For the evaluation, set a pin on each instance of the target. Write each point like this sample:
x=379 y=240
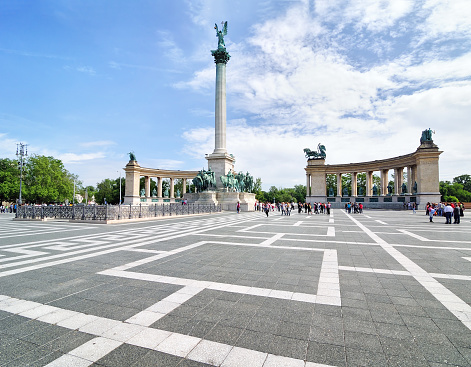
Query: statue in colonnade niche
x=375 y=190
x=143 y=192
x=404 y=188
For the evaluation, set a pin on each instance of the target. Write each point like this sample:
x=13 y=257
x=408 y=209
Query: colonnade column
x=398 y=180
x=409 y=180
x=354 y=184
x=413 y=176
x=159 y=187
x=184 y=186
x=147 y=185
x=339 y=184
x=308 y=184
x=369 y=183
x=172 y=188
x=384 y=181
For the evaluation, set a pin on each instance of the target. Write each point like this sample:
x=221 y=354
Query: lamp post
x=21 y=151
x=119 y=187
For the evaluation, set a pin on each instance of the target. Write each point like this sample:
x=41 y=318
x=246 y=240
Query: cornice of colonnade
x=376 y=165
x=134 y=167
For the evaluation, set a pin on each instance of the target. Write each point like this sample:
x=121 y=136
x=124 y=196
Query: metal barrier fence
x=112 y=212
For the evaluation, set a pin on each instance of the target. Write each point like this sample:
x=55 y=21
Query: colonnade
x=384 y=182
x=422 y=179
x=134 y=172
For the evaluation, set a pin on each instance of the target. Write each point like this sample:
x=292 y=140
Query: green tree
x=464 y=180
x=300 y=193
x=257 y=186
x=451 y=191
x=89 y=192
x=46 y=180
x=107 y=190
x=9 y=180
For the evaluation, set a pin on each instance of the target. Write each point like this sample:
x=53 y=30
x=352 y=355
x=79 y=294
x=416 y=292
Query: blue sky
x=89 y=81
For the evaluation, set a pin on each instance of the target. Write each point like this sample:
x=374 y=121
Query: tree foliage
x=45 y=180
x=9 y=180
x=296 y=194
x=454 y=191
x=108 y=190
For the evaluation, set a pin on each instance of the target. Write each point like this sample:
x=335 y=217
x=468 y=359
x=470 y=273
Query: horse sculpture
x=320 y=154
x=204 y=180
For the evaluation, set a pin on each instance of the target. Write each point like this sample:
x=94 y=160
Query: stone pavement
x=383 y=288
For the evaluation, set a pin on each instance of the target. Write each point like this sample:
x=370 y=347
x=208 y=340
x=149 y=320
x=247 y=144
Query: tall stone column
x=220 y=108
x=184 y=186
x=220 y=161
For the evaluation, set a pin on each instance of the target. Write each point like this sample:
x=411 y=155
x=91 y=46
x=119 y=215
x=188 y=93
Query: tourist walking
x=448 y=211
x=456 y=214
x=431 y=212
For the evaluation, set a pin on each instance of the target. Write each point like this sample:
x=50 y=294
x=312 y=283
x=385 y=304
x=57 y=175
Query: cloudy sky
x=88 y=81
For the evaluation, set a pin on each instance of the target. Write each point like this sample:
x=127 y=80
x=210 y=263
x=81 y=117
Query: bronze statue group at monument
x=220 y=184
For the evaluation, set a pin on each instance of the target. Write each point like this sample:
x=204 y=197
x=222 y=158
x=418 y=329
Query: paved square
x=383 y=288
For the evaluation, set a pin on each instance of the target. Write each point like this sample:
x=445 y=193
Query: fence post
x=83 y=213
x=130 y=211
x=94 y=212
x=73 y=211
x=106 y=212
x=140 y=208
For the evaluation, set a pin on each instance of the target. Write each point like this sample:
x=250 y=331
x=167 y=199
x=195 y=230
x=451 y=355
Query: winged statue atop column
x=220 y=34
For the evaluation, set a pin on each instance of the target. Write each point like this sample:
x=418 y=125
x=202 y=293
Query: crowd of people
x=286 y=208
x=447 y=210
x=8 y=208
x=354 y=207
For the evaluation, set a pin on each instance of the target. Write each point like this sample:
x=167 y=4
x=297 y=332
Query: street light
x=21 y=151
x=119 y=187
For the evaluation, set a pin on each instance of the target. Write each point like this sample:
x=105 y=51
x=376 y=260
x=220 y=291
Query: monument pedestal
x=247 y=201
x=221 y=164
x=207 y=197
x=228 y=200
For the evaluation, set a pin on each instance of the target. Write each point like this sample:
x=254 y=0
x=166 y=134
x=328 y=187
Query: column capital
x=221 y=56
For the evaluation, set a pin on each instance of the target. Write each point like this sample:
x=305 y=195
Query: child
x=431 y=213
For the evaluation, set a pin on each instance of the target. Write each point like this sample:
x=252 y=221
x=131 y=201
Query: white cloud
x=70 y=158
x=445 y=18
x=99 y=143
